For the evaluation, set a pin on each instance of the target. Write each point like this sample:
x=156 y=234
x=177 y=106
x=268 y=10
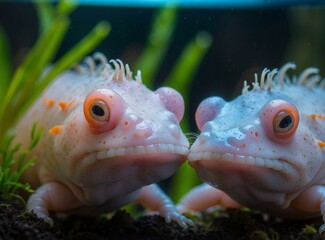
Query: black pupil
x=97 y=110
x=285 y=122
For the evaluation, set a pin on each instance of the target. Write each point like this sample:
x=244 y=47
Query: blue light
x=202 y=3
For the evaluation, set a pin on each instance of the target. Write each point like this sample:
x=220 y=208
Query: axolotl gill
x=265 y=149
x=107 y=139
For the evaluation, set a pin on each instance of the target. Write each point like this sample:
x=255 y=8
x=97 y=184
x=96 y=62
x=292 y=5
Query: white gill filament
x=80 y=69
x=89 y=61
x=117 y=69
x=107 y=71
x=270 y=78
x=101 y=58
x=98 y=56
x=245 y=88
x=283 y=71
x=138 y=78
x=241 y=159
x=312 y=81
x=267 y=78
x=256 y=84
x=128 y=72
x=322 y=84
x=306 y=74
x=122 y=70
x=263 y=75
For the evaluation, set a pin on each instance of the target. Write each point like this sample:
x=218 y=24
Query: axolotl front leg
x=153 y=198
x=203 y=197
x=54 y=196
x=312 y=200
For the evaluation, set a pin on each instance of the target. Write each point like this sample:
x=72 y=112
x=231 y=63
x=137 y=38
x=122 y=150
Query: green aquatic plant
x=157 y=45
x=10 y=155
x=309 y=230
x=179 y=78
x=20 y=89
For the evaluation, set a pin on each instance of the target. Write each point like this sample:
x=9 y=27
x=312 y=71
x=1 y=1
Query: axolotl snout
x=107 y=138
x=265 y=149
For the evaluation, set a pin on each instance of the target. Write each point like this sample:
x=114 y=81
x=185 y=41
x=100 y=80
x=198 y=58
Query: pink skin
x=250 y=157
x=114 y=143
x=172 y=100
x=115 y=105
x=208 y=110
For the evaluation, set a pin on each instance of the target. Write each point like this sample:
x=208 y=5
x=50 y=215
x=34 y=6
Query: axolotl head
x=120 y=137
x=261 y=143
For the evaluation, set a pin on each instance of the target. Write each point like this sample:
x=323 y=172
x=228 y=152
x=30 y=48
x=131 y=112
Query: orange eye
x=99 y=111
x=284 y=124
x=103 y=110
x=280 y=120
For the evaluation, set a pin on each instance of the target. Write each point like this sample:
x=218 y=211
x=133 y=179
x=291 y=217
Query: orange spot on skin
x=48 y=102
x=65 y=105
x=55 y=130
x=321 y=144
x=318 y=116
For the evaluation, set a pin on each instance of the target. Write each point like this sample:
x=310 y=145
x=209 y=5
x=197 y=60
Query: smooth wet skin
x=107 y=139
x=263 y=150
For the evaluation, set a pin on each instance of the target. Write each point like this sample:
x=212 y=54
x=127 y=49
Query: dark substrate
x=16 y=223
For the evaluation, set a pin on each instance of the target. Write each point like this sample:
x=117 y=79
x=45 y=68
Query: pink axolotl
x=265 y=149
x=107 y=139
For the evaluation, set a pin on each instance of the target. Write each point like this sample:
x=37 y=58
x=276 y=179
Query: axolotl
x=265 y=149
x=107 y=139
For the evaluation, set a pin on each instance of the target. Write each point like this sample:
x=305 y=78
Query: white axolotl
x=107 y=138
x=265 y=149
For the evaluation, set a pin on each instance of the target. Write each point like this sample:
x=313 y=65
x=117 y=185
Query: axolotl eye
x=99 y=111
x=280 y=120
x=103 y=109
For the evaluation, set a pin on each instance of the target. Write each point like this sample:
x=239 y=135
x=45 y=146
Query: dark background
x=244 y=40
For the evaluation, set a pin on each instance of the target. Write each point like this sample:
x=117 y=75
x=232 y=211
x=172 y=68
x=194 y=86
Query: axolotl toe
x=265 y=149
x=107 y=139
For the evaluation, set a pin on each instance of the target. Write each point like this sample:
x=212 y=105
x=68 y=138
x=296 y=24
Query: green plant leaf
x=11 y=154
x=86 y=45
x=5 y=63
x=157 y=45
x=28 y=73
x=65 y=7
x=180 y=78
x=46 y=14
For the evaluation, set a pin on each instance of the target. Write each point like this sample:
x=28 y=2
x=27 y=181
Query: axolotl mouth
x=143 y=149
x=240 y=173
x=104 y=174
x=156 y=153
x=226 y=157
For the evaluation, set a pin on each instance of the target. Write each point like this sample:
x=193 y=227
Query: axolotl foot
x=154 y=199
x=55 y=196
x=170 y=213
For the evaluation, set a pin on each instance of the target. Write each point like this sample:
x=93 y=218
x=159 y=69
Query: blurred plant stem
x=157 y=44
x=27 y=83
x=306 y=45
x=20 y=90
x=180 y=78
x=5 y=63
